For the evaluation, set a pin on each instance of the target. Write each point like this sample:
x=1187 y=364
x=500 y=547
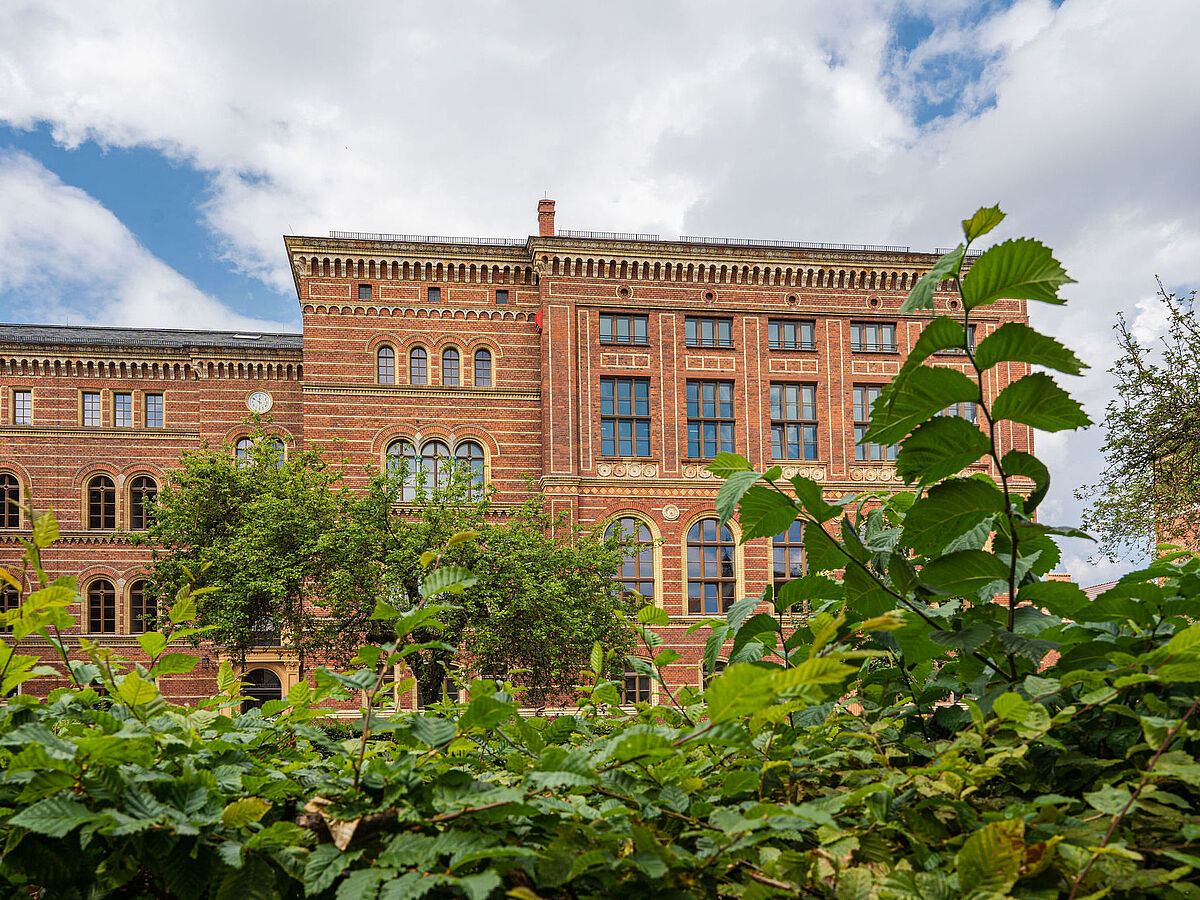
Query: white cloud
x=772 y=119
x=70 y=259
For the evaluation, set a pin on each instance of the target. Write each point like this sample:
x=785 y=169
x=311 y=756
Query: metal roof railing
x=427 y=239
x=607 y=235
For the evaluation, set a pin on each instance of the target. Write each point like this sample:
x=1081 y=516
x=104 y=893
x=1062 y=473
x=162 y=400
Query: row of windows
x=418 y=366
x=782 y=334
x=100 y=607
x=711 y=562
x=100 y=502
x=429 y=469
x=90 y=409
x=432 y=294
x=711 y=423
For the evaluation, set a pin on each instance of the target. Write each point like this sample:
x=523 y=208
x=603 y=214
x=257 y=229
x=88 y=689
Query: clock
x=259 y=402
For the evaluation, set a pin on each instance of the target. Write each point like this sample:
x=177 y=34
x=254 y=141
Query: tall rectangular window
x=624 y=416
x=122 y=410
x=965 y=410
x=703 y=331
x=22 y=409
x=789 y=334
x=154 y=410
x=636 y=689
x=434 y=295
x=91 y=408
x=710 y=418
x=864 y=396
x=794 y=421
x=872 y=337
x=617 y=328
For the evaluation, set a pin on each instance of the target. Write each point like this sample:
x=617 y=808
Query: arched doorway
x=259 y=686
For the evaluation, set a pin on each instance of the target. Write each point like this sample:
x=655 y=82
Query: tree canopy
x=295 y=555
x=1149 y=490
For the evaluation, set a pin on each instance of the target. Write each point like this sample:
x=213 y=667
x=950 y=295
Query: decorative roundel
x=623 y=292
x=792 y=300
x=259 y=402
x=874 y=301
x=710 y=296
x=670 y=512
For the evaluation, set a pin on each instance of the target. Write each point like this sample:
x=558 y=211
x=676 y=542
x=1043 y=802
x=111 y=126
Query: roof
x=147 y=337
x=1097 y=589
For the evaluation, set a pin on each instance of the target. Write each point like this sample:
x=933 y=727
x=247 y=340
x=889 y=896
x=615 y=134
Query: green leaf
x=963 y=573
x=53 y=817
x=821 y=550
x=1017 y=342
x=1110 y=799
x=432 y=730
x=596 y=660
x=990 y=858
x=325 y=864
x=819 y=670
x=921 y=295
x=1059 y=598
x=136 y=691
x=175 y=664
x=805 y=590
x=942 y=446
x=446 y=579
x=736 y=484
x=967 y=640
x=765 y=513
x=740 y=690
x=183 y=609
x=652 y=615
x=985 y=219
x=45 y=530
x=864 y=594
x=725 y=464
x=1036 y=400
x=1021 y=269
x=463 y=537
x=241 y=813
x=949 y=510
x=1186 y=641
x=481 y=886
x=152 y=643
x=812 y=498
x=904 y=405
x=1018 y=462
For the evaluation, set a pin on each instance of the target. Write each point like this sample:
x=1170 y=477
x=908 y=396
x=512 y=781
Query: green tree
x=1150 y=487
x=291 y=550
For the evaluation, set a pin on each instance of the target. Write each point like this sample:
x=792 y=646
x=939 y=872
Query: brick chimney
x=546 y=218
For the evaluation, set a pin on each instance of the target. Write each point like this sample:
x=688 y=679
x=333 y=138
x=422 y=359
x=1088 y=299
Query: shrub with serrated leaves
x=940 y=723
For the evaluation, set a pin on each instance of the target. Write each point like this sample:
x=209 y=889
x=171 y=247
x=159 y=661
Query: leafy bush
x=945 y=724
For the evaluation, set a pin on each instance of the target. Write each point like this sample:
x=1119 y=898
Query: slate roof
x=147 y=337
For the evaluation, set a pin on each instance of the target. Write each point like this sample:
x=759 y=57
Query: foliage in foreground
x=915 y=739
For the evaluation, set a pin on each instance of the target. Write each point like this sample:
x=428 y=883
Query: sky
x=152 y=154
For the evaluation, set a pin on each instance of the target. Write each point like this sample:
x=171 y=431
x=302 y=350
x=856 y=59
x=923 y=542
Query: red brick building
x=608 y=367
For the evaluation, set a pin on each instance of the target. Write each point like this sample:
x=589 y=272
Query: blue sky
x=148 y=173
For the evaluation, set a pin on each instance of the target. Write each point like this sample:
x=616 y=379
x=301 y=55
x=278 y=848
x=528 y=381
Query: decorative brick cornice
x=429 y=391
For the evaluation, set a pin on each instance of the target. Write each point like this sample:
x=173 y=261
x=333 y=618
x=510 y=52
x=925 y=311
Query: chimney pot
x=546 y=218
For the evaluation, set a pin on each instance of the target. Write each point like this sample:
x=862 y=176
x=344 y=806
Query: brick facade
x=534 y=307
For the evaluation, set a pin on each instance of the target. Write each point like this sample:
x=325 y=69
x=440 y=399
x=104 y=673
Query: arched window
x=279 y=453
x=418 y=366
x=637 y=571
x=450 y=367
x=435 y=465
x=787 y=550
x=143 y=609
x=9 y=600
x=385 y=365
x=142 y=491
x=241 y=450
x=402 y=465
x=259 y=686
x=101 y=503
x=711 y=580
x=102 y=607
x=10 y=501
x=470 y=455
x=483 y=368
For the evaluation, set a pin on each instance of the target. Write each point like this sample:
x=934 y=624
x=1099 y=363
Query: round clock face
x=259 y=402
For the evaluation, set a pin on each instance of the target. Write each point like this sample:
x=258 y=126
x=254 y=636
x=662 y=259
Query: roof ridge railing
x=427 y=239
x=607 y=235
x=797 y=245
